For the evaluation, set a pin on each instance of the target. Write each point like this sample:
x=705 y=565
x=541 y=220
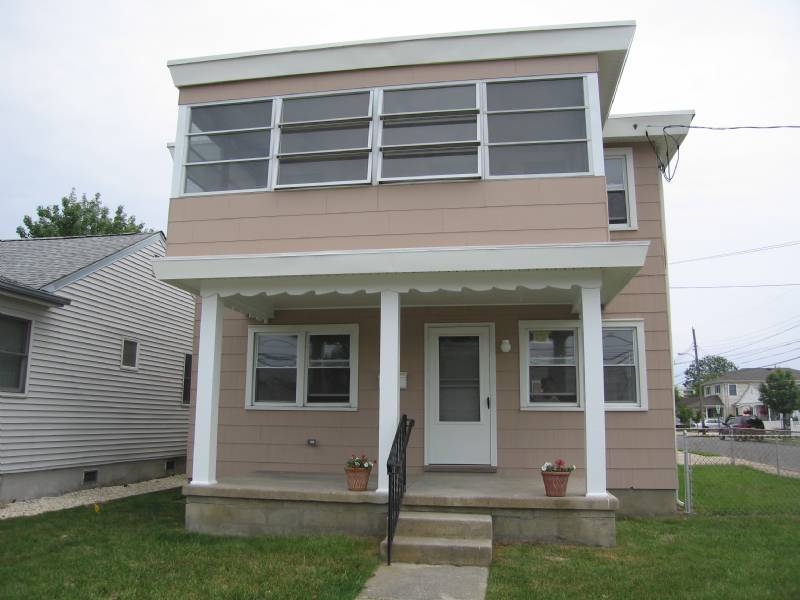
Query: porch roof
x=518 y=274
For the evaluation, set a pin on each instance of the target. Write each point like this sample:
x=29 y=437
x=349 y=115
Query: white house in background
x=94 y=357
x=738 y=390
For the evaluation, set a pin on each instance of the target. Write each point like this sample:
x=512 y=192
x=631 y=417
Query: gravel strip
x=36 y=506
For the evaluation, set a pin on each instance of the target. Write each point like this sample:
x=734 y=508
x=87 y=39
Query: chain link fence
x=743 y=472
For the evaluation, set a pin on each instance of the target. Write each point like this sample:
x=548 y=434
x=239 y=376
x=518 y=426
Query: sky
x=87 y=102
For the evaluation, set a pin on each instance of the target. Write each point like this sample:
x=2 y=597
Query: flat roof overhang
x=652 y=126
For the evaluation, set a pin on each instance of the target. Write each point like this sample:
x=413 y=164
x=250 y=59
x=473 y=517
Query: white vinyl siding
x=81 y=408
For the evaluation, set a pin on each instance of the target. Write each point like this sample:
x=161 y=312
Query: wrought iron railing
x=396 y=466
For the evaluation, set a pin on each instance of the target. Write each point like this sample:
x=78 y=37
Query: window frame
x=524 y=361
x=717 y=388
x=594 y=140
x=629 y=188
x=303 y=348
x=186 y=390
x=640 y=352
x=732 y=389
x=638 y=325
x=123 y=366
x=23 y=392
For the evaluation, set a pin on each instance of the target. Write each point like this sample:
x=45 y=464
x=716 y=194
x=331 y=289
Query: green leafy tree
x=84 y=216
x=706 y=368
x=781 y=394
x=685 y=414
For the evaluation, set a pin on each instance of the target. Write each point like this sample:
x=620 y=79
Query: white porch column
x=594 y=404
x=389 y=388
x=204 y=458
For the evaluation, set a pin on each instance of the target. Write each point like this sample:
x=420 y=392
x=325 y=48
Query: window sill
x=301 y=408
x=11 y=395
x=620 y=227
x=132 y=369
x=625 y=408
x=550 y=408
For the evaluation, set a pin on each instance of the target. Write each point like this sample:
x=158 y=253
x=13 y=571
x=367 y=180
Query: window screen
x=620 y=365
x=617 y=189
x=552 y=366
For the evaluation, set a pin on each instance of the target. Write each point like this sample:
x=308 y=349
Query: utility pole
x=700 y=385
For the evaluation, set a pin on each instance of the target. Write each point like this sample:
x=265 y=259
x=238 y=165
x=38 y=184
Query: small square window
x=130 y=354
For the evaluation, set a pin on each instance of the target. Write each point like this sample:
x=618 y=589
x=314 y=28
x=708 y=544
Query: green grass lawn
x=138 y=548
x=716 y=553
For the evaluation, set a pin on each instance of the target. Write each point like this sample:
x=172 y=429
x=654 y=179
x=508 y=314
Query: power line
x=738 y=252
x=780 y=362
x=754 y=337
x=730 y=128
x=726 y=286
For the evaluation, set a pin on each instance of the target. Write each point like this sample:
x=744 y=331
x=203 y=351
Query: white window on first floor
x=15 y=335
x=292 y=367
x=551 y=365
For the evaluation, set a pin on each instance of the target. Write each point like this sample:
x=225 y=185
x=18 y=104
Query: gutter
x=27 y=293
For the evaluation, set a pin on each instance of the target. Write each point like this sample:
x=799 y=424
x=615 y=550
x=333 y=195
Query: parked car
x=742 y=427
x=714 y=423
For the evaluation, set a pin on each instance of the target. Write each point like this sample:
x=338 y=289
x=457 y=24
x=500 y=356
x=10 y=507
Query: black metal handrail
x=396 y=467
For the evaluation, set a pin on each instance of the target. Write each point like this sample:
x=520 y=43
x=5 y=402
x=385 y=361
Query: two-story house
x=450 y=227
x=738 y=391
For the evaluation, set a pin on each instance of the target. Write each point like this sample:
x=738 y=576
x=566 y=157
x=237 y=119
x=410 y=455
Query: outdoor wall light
x=505 y=346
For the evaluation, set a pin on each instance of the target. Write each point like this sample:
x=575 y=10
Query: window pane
x=231 y=116
x=187 y=379
x=329 y=350
x=459 y=379
x=13 y=335
x=620 y=384
x=321 y=108
x=129 y=352
x=534 y=127
x=553 y=384
x=12 y=372
x=551 y=347
x=276 y=350
x=617 y=208
x=324 y=138
x=276 y=385
x=427 y=164
x=618 y=347
x=539 y=159
x=615 y=171
x=228 y=146
x=322 y=170
x=327 y=385
x=429 y=131
x=247 y=175
x=543 y=93
x=429 y=99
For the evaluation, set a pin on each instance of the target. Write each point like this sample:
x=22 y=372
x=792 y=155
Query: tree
x=781 y=394
x=685 y=415
x=77 y=217
x=705 y=369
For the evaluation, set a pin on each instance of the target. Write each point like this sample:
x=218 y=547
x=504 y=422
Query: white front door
x=459 y=402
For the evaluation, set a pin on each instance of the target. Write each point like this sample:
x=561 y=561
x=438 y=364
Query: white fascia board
x=600 y=255
x=588 y=38
x=633 y=127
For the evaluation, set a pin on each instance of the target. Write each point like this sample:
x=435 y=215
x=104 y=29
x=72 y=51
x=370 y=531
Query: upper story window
x=228 y=147
x=129 y=358
x=717 y=389
x=732 y=389
x=620 y=187
x=15 y=337
x=530 y=127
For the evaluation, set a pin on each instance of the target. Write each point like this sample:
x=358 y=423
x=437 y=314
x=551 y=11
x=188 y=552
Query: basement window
x=90 y=476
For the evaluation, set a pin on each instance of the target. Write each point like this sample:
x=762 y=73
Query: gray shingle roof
x=754 y=374
x=38 y=262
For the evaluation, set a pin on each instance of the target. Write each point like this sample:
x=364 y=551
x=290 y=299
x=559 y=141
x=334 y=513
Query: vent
x=90 y=476
x=169 y=465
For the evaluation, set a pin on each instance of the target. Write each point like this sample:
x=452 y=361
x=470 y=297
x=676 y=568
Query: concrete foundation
x=36 y=484
x=646 y=503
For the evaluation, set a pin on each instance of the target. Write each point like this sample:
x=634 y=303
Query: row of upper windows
x=717 y=389
x=497 y=129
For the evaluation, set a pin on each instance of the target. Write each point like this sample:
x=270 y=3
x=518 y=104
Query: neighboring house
x=739 y=390
x=450 y=227
x=708 y=406
x=93 y=351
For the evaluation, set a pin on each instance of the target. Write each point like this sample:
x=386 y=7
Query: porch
x=305 y=503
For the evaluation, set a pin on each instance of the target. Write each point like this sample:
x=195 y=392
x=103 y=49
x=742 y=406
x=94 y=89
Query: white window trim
x=591 y=106
x=641 y=366
x=524 y=358
x=122 y=353
x=630 y=189
x=735 y=389
x=31 y=329
x=303 y=331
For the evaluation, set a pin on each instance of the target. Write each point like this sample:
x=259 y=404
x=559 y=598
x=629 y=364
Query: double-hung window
x=623 y=360
x=15 y=337
x=325 y=139
x=550 y=366
x=430 y=133
x=291 y=367
x=537 y=127
x=620 y=188
x=228 y=147
x=731 y=389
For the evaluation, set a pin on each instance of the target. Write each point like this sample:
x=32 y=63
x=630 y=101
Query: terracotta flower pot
x=555 y=482
x=357 y=478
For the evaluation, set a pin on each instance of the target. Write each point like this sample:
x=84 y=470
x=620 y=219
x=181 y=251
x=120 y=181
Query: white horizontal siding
x=81 y=408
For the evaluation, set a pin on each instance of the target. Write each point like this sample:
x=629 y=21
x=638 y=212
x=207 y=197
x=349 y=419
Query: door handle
x=488 y=402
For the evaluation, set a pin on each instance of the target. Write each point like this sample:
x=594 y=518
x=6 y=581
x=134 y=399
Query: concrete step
x=440 y=551
x=444 y=525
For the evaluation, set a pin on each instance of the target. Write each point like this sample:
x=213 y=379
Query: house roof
x=697 y=402
x=37 y=267
x=746 y=375
x=609 y=41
